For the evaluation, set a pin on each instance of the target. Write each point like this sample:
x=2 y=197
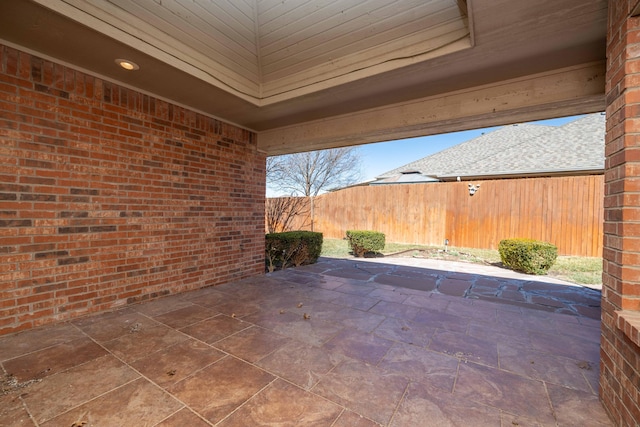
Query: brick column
x=620 y=351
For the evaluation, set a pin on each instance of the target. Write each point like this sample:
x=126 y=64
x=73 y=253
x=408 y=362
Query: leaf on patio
x=584 y=365
x=78 y=422
x=306 y=316
x=282 y=312
x=300 y=304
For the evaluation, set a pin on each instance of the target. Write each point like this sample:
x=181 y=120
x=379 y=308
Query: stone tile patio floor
x=338 y=343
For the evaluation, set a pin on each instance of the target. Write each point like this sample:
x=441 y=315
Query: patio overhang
x=316 y=75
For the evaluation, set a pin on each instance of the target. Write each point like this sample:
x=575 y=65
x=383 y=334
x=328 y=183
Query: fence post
x=312 y=213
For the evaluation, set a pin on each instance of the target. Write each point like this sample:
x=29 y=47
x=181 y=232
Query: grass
x=581 y=270
x=335 y=248
x=339 y=248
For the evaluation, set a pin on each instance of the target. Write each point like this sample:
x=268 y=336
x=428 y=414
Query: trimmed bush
x=292 y=248
x=362 y=242
x=529 y=256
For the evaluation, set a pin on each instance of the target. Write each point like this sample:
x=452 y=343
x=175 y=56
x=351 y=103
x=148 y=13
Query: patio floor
x=338 y=343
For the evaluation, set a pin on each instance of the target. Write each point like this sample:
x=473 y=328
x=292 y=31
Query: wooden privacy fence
x=566 y=211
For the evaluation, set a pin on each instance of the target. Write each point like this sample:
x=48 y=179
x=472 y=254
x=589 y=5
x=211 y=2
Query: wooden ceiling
x=273 y=49
x=274 y=65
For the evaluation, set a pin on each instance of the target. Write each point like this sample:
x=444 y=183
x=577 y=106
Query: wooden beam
x=569 y=91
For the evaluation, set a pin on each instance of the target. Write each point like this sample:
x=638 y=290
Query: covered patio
x=133 y=139
x=338 y=343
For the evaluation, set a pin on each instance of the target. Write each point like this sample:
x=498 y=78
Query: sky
x=382 y=157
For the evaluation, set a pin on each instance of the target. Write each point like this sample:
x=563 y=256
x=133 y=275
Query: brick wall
x=620 y=355
x=109 y=196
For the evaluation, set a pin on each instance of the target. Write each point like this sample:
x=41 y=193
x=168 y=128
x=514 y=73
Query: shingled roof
x=516 y=151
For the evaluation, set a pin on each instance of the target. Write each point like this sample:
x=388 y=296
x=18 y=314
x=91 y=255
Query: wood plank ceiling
x=269 y=50
x=275 y=64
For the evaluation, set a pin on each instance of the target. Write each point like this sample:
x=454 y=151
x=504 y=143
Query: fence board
x=566 y=211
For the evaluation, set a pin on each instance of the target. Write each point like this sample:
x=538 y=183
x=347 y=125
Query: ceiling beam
x=565 y=92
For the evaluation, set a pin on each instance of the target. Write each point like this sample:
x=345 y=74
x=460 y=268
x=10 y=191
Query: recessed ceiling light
x=127 y=65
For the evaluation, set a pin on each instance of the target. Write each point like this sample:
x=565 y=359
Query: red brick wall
x=109 y=196
x=620 y=357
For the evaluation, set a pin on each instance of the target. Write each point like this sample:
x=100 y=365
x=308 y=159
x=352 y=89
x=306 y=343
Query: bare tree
x=309 y=173
x=282 y=212
x=274 y=167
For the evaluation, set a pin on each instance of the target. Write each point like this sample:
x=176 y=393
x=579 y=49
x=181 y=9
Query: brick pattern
x=620 y=356
x=109 y=196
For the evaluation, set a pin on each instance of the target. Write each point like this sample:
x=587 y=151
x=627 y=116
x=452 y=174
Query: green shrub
x=292 y=248
x=529 y=256
x=362 y=242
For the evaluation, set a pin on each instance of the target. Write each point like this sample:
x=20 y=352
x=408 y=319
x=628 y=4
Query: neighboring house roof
x=516 y=150
x=408 y=177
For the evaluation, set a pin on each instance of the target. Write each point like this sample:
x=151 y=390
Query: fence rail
x=566 y=211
